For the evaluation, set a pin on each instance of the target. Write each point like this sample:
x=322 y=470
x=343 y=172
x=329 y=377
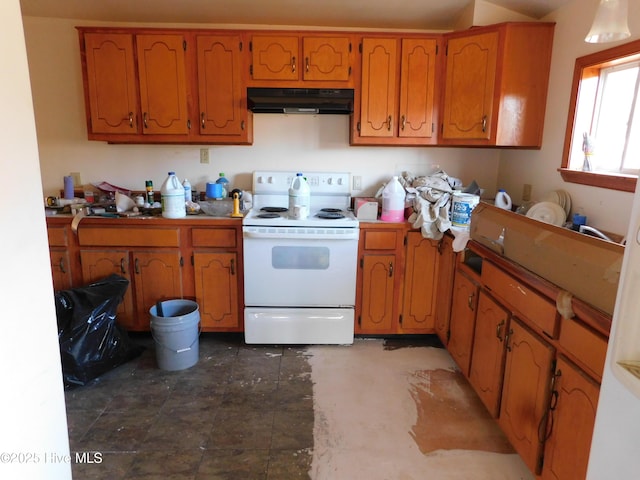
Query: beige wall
x=606 y=209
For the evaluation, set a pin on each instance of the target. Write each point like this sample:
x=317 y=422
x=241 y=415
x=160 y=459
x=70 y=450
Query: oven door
x=300 y=267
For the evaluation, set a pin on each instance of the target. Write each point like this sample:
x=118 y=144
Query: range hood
x=300 y=100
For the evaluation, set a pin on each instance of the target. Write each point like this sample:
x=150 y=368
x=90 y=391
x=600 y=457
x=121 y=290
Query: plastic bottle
x=299 y=197
x=226 y=186
x=148 y=185
x=172 y=196
x=187 y=190
x=503 y=200
x=393 y=197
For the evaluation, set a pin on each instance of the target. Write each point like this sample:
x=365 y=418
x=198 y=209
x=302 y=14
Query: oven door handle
x=351 y=235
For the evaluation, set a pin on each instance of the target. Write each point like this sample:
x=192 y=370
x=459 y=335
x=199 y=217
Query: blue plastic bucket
x=176 y=334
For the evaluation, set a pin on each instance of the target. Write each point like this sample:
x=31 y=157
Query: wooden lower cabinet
x=378 y=294
x=525 y=391
x=420 y=284
x=462 y=323
x=487 y=362
x=570 y=423
x=153 y=276
x=397 y=281
x=446 y=273
x=216 y=285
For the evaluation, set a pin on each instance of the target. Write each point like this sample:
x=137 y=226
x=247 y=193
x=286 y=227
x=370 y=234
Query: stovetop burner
x=268 y=215
x=273 y=210
x=333 y=215
x=331 y=210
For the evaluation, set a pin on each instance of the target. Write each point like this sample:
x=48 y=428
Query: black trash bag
x=91 y=343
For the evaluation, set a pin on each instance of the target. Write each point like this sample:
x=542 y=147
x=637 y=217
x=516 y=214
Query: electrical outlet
x=204 y=155
x=357 y=182
x=77 y=179
x=526 y=192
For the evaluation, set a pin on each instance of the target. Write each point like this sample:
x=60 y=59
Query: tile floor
x=242 y=412
x=247 y=412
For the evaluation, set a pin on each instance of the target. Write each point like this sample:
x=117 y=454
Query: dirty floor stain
x=450 y=415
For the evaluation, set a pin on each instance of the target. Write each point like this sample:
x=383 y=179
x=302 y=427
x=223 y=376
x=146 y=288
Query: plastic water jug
x=393 y=197
x=299 y=198
x=503 y=200
x=172 y=197
x=226 y=186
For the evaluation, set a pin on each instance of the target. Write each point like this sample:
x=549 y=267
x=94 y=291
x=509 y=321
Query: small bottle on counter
x=149 y=187
x=226 y=186
x=187 y=190
x=503 y=200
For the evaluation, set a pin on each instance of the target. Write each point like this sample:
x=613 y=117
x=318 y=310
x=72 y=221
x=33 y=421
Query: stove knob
x=330 y=181
x=339 y=180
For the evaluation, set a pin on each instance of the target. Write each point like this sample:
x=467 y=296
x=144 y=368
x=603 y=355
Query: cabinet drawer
x=57 y=236
x=529 y=304
x=213 y=237
x=129 y=237
x=380 y=240
x=588 y=347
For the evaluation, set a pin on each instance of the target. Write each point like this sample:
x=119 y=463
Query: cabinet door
x=417 y=85
x=275 y=57
x=326 y=58
x=446 y=271
x=220 y=92
x=98 y=264
x=378 y=88
x=111 y=83
x=463 y=317
x=377 y=306
x=420 y=284
x=570 y=424
x=157 y=276
x=525 y=392
x=487 y=361
x=216 y=285
x=163 y=85
x=469 y=86
x=60 y=269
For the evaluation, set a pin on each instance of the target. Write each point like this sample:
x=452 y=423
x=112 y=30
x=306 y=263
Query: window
x=602 y=142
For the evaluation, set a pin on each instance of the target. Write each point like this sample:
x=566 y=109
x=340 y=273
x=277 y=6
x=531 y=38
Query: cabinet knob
x=403 y=122
x=484 y=123
x=391 y=269
x=306 y=64
x=293 y=64
x=499 y=330
x=130 y=119
x=144 y=120
x=389 y=123
x=202 y=123
x=61 y=265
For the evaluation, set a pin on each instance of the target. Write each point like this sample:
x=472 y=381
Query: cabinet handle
x=137 y=266
x=233 y=266
x=507 y=338
x=391 y=269
x=470 y=300
x=403 y=122
x=545 y=427
x=61 y=265
x=130 y=119
x=389 y=123
x=498 y=330
x=242 y=125
x=293 y=64
x=122 y=270
x=202 y=120
x=144 y=120
x=484 y=123
x=306 y=64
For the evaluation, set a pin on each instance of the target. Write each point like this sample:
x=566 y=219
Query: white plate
x=548 y=212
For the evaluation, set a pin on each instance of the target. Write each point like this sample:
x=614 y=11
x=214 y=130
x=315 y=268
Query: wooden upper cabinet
x=398 y=91
x=275 y=57
x=163 y=83
x=471 y=73
x=223 y=110
x=326 y=58
x=417 y=86
x=496 y=85
x=379 y=88
x=111 y=91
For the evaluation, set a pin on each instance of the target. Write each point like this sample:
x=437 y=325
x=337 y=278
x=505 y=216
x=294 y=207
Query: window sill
x=625 y=183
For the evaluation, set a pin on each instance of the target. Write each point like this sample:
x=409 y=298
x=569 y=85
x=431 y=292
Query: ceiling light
x=610 y=22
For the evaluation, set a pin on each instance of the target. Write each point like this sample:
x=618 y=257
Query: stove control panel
x=321 y=183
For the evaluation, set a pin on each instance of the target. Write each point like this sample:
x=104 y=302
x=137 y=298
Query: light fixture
x=610 y=22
